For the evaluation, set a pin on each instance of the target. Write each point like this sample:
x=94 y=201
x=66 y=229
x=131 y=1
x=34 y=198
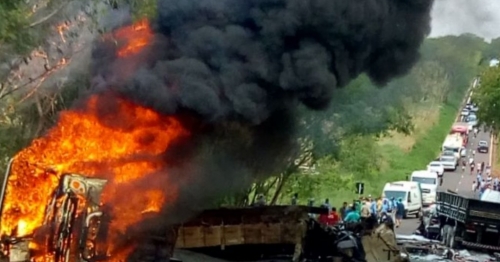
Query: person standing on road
x=483 y=166
x=343 y=210
x=489 y=179
x=373 y=207
x=394 y=204
x=464 y=164
x=475 y=132
x=400 y=211
x=478 y=168
x=495 y=184
x=473 y=152
x=474 y=186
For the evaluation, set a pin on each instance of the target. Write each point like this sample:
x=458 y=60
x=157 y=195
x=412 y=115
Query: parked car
x=463 y=152
x=472 y=120
x=449 y=162
x=465 y=112
x=436 y=166
x=482 y=147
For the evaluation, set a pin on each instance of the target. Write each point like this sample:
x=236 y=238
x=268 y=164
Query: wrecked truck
x=76 y=224
x=291 y=232
x=74 y=227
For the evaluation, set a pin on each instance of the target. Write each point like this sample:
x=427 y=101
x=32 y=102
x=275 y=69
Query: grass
x=407 y=154
x=428 y=144
x=424 y=118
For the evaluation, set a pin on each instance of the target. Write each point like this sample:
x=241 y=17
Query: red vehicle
x=463 y=130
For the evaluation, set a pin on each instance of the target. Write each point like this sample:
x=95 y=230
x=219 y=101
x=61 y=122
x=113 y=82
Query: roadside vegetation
x=369 y=134
x=378 y=148
x=487 y=96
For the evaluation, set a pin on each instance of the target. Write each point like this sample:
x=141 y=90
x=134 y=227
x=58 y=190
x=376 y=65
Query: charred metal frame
x=4 y=186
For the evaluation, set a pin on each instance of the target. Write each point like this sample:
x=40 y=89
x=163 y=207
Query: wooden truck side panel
x=243 y=226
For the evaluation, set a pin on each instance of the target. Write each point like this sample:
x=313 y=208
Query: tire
x=417 y=215
x=405 y=215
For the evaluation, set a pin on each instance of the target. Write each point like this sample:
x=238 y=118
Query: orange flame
x=136 y=36
x=109 y=137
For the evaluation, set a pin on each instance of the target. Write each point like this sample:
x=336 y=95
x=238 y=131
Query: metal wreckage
x=75 y=230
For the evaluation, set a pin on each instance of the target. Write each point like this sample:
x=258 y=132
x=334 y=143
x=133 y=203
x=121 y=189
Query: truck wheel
x=419 y=211
x=405 y=214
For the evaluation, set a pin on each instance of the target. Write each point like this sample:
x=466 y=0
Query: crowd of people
x=362 y=210
x=484 y=179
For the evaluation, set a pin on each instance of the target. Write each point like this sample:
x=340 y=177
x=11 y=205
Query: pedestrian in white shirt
x=474 y=186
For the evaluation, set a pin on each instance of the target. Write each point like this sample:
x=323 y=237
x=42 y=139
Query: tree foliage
x=487 y=96
x=14 y=21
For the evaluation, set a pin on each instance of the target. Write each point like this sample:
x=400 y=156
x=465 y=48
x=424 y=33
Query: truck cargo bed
x=465 y=209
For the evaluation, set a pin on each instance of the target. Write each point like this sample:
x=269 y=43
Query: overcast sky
x=480 y=17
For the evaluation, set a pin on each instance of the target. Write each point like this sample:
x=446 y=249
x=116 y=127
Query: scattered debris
x=423 y=249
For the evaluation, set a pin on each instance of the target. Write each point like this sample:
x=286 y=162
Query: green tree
x=487 y=96
x=14 y=20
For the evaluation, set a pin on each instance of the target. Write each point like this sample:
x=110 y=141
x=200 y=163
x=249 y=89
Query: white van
x=428 y=183
x=409 y=192
x=449 y=162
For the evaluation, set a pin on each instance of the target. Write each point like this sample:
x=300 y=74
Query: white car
x=463 y=152
x=436 y=166
x=465 y=112
x=472 y=120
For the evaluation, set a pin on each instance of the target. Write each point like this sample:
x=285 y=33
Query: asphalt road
x=458 y=181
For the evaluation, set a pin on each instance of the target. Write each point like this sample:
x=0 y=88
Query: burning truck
x=74 y=226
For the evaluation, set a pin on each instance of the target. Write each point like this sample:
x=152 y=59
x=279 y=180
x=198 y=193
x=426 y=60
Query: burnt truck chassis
x=468 y=222
x=74 y=227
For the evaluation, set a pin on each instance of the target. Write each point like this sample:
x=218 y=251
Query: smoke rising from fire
x=243 y=66
x=244 y=59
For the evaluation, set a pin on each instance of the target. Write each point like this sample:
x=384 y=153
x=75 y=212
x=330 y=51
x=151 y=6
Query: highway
x=458 y=181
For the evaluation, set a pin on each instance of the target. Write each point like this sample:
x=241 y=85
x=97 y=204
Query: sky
x=454 y=17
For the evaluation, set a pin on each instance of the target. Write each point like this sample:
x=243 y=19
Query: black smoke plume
x=243 y=59
x=242 y=66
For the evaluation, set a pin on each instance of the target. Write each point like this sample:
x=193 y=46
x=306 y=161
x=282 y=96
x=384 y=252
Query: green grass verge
x=401 y=163
x=427 y=146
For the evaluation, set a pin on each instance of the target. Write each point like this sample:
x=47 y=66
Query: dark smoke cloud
x=243 y=59
x=242 y=66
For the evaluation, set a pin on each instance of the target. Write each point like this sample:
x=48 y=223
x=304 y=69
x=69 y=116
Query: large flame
x=108 y=137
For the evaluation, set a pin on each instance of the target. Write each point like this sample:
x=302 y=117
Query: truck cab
x=429 y=183
x=410 y=192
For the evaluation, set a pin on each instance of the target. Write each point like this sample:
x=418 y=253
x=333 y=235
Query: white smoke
x=455 y=17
